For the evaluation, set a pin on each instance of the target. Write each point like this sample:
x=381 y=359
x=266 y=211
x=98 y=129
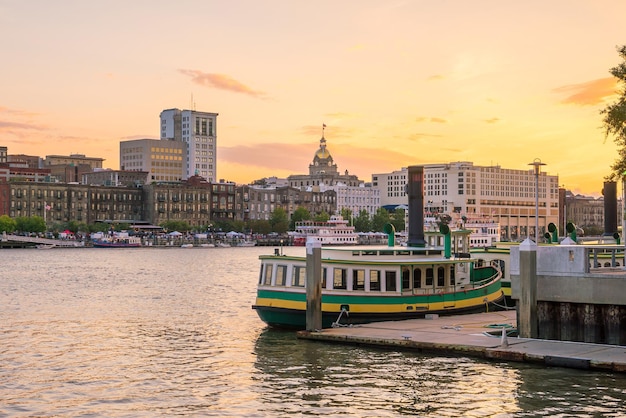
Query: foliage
x=279 y=221
x=380 y=218
x=397 y=219
x=300 y=214
x=30 y=224
x=614 y=117
x=7 y=224
x=347 y=215
x=180 y=226
x=260 y=226
x=322 y=217
x=362 y=222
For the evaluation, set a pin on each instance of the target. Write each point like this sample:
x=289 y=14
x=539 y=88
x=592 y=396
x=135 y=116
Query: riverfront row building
x=173 y=178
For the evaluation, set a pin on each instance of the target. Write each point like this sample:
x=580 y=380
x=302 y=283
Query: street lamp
x=537 y=164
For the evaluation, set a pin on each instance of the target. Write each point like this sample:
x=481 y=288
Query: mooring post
x=313 y=285
x=527 y=311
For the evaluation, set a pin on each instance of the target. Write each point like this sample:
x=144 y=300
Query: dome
x=322 y=152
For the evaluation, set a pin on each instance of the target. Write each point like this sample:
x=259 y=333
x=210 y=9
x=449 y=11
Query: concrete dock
x=476 y=335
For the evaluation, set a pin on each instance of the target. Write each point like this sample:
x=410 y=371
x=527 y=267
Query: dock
x=476 y=335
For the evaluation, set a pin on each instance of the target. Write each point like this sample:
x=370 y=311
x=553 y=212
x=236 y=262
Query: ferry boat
x=335 y=231
x=363 y=284
x=116 y=240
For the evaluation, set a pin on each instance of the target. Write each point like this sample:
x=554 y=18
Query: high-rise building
x=197 y=130
x=163 y=160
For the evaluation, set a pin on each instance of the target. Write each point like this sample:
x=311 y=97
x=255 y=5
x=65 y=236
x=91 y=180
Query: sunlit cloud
x=589 y=93
x=431 y=120
x=435 y=77
x=222 y=82
x=492 y=120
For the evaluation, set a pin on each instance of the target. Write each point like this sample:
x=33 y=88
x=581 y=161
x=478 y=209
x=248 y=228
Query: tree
x=397 y=219
x=30 y=224
x=300 y=214
x=7 y=224
x=614 y=117
x=380 y=218
x=362 y=222
x=279 y=221
x=322 y=217
x=347 y=215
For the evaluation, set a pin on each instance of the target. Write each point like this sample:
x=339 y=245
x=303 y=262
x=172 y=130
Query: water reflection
x=332 y=379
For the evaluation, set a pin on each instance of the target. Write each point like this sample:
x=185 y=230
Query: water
x=165 y=332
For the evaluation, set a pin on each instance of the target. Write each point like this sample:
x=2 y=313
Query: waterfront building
x=503 y=195
x=356 y=199
x=163 y=160
x=197 y=131
x=3 y=154
x=70 y=168
x=64 y=202
x=588 y=214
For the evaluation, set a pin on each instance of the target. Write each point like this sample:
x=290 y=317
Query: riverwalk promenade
x=476 y=335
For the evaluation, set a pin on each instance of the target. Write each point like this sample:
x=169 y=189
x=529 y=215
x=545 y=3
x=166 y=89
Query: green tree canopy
x=322 y=217
x=7 y=224
x=180 y=226
x=614 y=117
x=380 y=218
x=347 y=215
x=362 y=222
x=279 y=221
x=300 y=214
x=30 y=224
x=397 y=219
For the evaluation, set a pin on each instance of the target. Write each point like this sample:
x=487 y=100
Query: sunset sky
x=397 y=83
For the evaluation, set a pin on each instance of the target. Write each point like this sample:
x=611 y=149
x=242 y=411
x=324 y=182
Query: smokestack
x=415 y=190
x=610 y=207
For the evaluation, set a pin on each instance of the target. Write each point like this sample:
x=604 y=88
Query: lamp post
x=537 y=164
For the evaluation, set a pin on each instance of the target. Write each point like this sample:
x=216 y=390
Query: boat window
x=339 y=279
x=430 y=275
x=281 y=275
x=403 y=252
x=374 y=280
x=261 y=274
x=390 y=281
x=406 y=278
x=358 y=279
x=299 y=276
x=452 y=275
x=268 y=274
x=323 y=277
x=417 y=278
x=386 y=252
x=441 y=276
x=368 y=252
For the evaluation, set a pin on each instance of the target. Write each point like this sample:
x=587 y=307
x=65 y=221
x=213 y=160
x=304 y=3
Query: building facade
x=198 y=132
x=507 y=196
x=162 y=159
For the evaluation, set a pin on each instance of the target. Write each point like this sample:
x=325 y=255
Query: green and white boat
x=369 y=284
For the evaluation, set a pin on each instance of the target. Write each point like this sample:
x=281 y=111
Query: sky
x=396 y=82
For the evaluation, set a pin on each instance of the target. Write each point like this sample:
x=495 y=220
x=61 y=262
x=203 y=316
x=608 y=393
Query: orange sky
x=396 y=82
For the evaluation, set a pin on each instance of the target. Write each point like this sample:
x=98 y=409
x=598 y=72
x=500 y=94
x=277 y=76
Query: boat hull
x=288 y=309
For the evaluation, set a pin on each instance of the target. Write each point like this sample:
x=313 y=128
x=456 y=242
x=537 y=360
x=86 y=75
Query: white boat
x=186 y=246
x=335 y=231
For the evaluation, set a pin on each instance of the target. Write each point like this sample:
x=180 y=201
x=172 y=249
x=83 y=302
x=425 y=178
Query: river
x=170 y=331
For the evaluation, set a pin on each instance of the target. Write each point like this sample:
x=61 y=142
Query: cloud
x=436 y=77
x=492 y=120
x=589 y=93
x=431 y=120
x=222 y=82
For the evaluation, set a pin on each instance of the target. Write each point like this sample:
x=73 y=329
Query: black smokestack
x=415 y=190
x=610 y=207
